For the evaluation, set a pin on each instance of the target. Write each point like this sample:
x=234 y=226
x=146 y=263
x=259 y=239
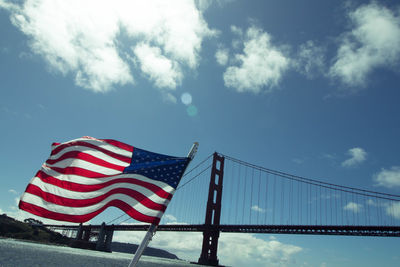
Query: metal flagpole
x=152 y=230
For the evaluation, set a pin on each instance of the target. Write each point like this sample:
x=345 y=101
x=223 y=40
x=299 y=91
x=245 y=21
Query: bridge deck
x=388 y=231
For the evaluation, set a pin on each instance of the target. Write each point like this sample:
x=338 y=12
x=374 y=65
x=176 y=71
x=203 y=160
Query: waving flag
x=84 y=176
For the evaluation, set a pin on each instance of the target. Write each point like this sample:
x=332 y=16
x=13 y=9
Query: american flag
x=85 y=176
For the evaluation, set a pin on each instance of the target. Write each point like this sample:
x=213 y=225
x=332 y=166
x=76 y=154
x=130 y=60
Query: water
x=20 y=253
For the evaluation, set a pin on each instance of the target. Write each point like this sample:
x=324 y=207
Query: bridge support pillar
x=213 y=213
x=104 y=238
x=83 y=233
x=79 y=233
x=86 y=234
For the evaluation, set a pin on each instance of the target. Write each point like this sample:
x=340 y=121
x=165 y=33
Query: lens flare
x=186 y=99
x=192 y=110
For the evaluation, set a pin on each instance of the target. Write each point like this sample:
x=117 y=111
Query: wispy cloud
x=257 y=209
x=299 y=160
x=357 y=156
x=354 y=207
x=329 y=156
x=4 y=50
x=388 y=178
x=12 y=191
x=260 y=66
x=97 y=41
x=310 y=60
x=170 y=218
x=222 y=56
x=393 y=209
x=373 y=42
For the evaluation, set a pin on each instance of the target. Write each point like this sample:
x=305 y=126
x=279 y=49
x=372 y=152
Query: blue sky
x=306 y=87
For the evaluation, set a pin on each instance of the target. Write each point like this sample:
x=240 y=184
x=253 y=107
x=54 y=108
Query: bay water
x=21 y=253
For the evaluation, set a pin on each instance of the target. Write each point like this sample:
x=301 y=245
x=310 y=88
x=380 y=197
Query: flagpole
x=152 y=229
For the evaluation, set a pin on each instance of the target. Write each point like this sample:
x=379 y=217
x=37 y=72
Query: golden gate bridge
x=240 y=197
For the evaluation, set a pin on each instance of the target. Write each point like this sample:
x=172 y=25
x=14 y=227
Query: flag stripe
x=78 y=171
x=91 y=151
x=40 y=211
x=67 y=201
x=74 y=155
x=77 y=162
x=42 y=202
x=77 y=191
x=110 y=150
x=144 y=187
x=118 y=144
x=153 y=185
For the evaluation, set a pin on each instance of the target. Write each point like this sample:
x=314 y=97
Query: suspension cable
x=318 y=183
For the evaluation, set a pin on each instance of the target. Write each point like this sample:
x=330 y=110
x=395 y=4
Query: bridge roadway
x=348 y=230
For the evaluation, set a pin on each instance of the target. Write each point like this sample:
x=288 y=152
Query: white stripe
x=84 y=165
x=101 y=144
x=91 y=151
x=38 y=201
x=90 y=181
x=49 y=188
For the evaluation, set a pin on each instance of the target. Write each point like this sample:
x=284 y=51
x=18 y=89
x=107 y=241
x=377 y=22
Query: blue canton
x=159 y=167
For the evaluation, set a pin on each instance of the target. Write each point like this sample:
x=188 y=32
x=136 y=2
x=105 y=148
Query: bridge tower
x=213 y=213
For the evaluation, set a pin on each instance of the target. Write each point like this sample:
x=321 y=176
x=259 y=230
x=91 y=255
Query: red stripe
x=78 y=171
x=85 y=144
x=94 y=187
x=39 y=211
x=86 y=157
x=79 y=203
x=119 y=144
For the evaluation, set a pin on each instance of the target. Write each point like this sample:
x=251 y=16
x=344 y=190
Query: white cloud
x=310 y=60
x=170 y=218
x=222 y=56
x=371 y=202
x=329 y=156
x=261 y=65
x=12 y=191
x=257 y=209
x=6 y=5
x=233 y=249
x=298 y=161
x=373 y=42
x=203 y=5
x=158 y=68
x=388 y=178
x=169 y=98
x=236 y=30
x=354 y=207
x=94 y=40
x=16 y=201
x=357 y=156
x=393 y=209
x=252 y=251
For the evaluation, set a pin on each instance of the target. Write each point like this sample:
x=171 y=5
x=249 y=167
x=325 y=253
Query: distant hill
x=149 y=251
x=11 y=228
x=32 y=230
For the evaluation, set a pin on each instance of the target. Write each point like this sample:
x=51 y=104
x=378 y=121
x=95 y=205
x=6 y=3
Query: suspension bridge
x=240 y=197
